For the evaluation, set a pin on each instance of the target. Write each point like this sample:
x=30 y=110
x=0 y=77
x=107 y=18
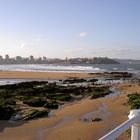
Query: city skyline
x=44 y=60
x=7 y=56
x=72 y=28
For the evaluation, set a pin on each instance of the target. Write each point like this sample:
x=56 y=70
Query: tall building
x=6 y=57
x=25 y=60
x=66 y=60
x=32 y=58
x=40 y=59
x=44 y=58
x=19 y=59
x=1 y=58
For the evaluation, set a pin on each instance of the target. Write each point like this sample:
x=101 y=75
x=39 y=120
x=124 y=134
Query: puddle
x=115 y=93
x=15 y=118
x=102 y=112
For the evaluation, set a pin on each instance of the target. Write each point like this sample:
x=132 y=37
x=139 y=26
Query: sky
x=70 y=28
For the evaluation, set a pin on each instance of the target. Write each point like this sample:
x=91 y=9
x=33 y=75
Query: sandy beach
x=41 y=75
x=67 y=123
x=69 y=69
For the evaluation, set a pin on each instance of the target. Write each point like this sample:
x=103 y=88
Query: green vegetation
x=134 y=100
x=100 y=92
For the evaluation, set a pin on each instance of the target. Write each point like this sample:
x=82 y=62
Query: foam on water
x=72 y=68
x=50 y=68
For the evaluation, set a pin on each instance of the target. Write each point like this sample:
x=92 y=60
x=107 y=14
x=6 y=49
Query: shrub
x=134 y=100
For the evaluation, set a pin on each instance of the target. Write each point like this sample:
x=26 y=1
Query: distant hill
x=105 y=60
x=128 y=61
x=95 y=60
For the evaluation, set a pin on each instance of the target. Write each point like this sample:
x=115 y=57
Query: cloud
x=23 y=45
x=32 y=43
x=83 y=34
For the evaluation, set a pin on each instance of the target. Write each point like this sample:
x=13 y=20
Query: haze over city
x=70 y=28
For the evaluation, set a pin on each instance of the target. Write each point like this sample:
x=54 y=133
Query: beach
x=41 y=75
x=69 y=69
x=69 y=123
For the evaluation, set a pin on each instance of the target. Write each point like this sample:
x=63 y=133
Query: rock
x=73 y=80
x=33 y=113
x=96 y=120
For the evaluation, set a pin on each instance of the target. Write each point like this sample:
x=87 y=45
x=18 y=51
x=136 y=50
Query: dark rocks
x=73 y=80
x=6 y=112
x=93 y=80
x=100 y=92
x=45 y=95
x=32 y=114
x=97 y=120
x=35 y=102
x=51 y=105
x=118 y=74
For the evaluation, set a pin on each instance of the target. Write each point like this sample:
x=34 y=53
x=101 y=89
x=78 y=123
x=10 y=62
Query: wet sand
x=41 y=75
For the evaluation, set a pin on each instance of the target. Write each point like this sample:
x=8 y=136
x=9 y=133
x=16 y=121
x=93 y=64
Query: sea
x=69 y=68
x=73 y=68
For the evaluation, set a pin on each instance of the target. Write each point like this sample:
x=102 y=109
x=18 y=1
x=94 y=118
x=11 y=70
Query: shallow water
x=115 y=93
x=102 y=110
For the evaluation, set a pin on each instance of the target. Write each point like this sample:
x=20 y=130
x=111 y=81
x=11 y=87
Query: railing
x=133 y=122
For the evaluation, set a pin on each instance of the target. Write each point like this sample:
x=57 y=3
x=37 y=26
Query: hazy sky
x=72 y=28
